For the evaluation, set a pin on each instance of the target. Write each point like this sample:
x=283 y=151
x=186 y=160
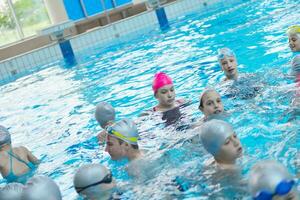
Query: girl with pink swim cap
x=164 y=92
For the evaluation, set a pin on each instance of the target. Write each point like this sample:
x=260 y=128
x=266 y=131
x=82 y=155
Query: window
x=21 y=18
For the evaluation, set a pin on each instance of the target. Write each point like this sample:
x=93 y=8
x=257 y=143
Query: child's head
x=270 y=180
x=296 y=65
x=11 y=191
x=122 y=137
x=163 y=89
x=294 y=37
x=210 y=102
x=4 y=136
x=220 y=140
x=93 y=181
x=228 y=62
x=41 y=187
x=104 y=114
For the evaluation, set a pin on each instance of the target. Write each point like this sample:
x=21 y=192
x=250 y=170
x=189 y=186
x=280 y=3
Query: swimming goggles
x=283 y=188
x=106 y=179
x=111 y=131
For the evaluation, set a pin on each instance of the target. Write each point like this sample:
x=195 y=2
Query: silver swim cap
x=41 y=188
x=91 y=175
x=104 y=113
x=214 y=134
x=266 y=175
x=11 y=191
x=4 y=136
x=296 y=64
x=225 y=52
x=125 y=130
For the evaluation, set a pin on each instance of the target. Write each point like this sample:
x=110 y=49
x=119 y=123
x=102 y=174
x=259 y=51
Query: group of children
x=268 y=179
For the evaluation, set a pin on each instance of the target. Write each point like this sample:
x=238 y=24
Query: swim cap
x=104 y=113
x=296 y=64
x=11 y=191
x=293 y=29
x=125 y=130
x=225 y=52
x=204 y=92
x=160 y=80
x=266 y=176
x=4 y=136
x=41 y=188
x=213 y=135
x=91 y=175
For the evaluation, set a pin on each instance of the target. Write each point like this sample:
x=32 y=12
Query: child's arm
x=31 y=157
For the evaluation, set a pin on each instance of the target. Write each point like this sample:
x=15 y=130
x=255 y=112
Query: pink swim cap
x=160 y=80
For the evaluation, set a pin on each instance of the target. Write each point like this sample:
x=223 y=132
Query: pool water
x=52 y=111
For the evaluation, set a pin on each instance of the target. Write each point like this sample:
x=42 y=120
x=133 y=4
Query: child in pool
x=16 y=163
x=164 y=92
x=294 y=38
x=228 y=63
x=220 y=140
x=94 y=181
x=105 y=115
x=270 y=180
x=210 y=104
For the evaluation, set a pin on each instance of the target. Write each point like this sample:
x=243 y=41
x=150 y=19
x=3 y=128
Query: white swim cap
x=91 y=175
x=125 y=130
x=214 y=134
x=266 y=175
x=225 y=52
x=4 y=136
x=104 y=113
x=41 y=188
x=11 y=191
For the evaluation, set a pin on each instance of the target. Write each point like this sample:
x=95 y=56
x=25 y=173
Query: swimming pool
x=51 y=112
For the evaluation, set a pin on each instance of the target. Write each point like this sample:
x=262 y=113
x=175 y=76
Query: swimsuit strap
x=16 y=157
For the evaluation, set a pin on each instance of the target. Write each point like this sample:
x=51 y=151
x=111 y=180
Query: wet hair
x=132 y=145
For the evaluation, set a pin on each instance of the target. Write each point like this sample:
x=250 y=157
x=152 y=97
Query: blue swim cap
x=41 y=188
x=214 y=134
x=104 y=113
x=225 y=52
x=11 y=191
x=4 y=136
x=266 y=176
x=125 y=130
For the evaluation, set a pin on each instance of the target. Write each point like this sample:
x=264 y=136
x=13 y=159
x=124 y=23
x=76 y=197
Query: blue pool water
x=51 y=111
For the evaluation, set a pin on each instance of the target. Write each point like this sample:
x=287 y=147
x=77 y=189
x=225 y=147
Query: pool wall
x=27 y=63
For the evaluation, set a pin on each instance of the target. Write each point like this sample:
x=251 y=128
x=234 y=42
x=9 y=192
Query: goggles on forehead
x=115 y=133
x=283 y=188
x=106 y=179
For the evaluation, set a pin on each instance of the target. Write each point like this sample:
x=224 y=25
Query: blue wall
x=75 y=11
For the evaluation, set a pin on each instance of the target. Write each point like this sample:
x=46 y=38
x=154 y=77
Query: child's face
x=230 y=150
x=114 y=148
x=211 y=103
x=229 y=66
x=166 y=95
x=294 y=42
